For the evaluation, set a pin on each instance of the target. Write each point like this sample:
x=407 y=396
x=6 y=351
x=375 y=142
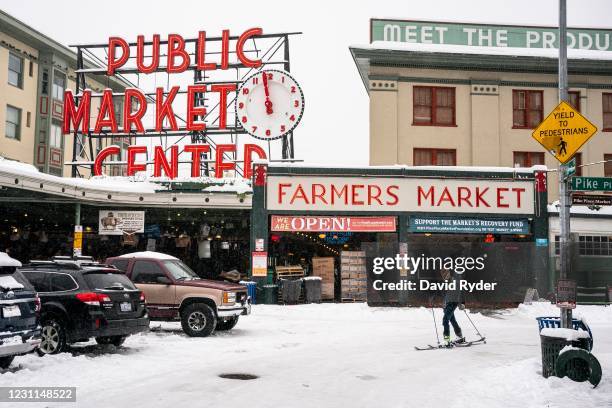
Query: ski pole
x=473 y=325
x=433 y=315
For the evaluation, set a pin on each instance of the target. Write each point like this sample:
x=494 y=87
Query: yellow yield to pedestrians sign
x=563 y=132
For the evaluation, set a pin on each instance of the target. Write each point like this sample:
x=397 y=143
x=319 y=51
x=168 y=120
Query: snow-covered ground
x=328 y=355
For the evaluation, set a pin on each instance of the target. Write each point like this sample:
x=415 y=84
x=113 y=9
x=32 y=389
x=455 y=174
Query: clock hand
x=268 y=103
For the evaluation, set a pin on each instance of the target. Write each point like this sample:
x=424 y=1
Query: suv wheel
x=53 y=336
x=116 y=341
x=198 y=320
x=227 y=324
x=5 y=362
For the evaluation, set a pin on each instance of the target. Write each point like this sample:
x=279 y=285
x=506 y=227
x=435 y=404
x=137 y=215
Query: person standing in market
x=452 y=301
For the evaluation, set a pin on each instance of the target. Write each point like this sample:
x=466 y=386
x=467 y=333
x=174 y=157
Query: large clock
x=269 y=104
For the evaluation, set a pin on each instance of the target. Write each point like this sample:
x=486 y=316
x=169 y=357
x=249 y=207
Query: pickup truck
x=174 y=292
x=19 y=312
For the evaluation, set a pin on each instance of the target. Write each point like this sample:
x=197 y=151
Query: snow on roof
x=138 y=184
x=567 y=334
x=147 y=254
x=477 y=169
x=6 y=260
x=478 y=50
x=582 y=209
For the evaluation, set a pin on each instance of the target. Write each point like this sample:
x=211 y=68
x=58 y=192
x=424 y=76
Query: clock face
x=269 y=104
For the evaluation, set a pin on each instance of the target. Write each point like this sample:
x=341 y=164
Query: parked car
x=82 y=299
x=19 y=309
x=175 y=292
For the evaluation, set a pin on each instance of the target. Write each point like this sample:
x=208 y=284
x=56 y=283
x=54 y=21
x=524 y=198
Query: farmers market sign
x=358 y=194
x=486 y=35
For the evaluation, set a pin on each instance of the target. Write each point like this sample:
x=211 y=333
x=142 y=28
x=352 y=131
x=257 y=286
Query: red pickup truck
x=174 y=292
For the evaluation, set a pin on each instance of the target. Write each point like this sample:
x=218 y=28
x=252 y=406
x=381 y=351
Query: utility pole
x=564 y=197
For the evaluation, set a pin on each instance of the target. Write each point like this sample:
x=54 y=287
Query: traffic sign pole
x=564 y=196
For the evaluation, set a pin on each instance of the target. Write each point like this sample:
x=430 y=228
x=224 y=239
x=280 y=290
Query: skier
x=452 y=300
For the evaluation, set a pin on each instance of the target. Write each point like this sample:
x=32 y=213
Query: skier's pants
x=449 y=316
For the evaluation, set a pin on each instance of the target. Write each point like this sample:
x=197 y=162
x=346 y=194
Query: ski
x=481 y=340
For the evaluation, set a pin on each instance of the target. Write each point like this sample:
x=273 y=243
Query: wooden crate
x=289 y=272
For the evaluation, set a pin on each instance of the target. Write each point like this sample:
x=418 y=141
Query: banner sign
x=486 y=35
x=117 y=222
x=359 y=194
x=467 y=225
x=281 y=223
x=259 y=264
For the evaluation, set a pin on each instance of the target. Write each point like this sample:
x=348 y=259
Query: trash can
x=553 y=340
x=312 y=289
x=290 y=290
x=270 y=294
x=251 y=289
x=555 y=322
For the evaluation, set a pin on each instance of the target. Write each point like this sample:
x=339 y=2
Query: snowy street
x=326 y=355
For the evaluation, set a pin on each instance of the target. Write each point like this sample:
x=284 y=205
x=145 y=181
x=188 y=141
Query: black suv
x=19 y=308
x=82 y=299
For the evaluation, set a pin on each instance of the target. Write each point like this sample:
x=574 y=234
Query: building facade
x=34 y=72
x=471 y=95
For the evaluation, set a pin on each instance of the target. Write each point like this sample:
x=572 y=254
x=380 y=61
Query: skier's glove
x=461 y=306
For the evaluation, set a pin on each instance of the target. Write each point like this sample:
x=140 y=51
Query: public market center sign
x=486 y=35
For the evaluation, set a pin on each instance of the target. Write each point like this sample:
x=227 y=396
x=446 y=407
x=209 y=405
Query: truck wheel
x=228 y=324
x=53 y=336
x=116 y=341
x=198 y=320
x=5 y=362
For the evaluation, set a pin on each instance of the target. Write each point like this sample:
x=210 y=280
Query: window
x=55 y=137
x=434 y=157
x=104 y=280
x=434 y=106
x=607 y=111
x=120 y=264
x=39 y=280
x=146 y=272
x=13 y=122
x=573 y=97
x=179 y=270
x=527 y=109
x=590 y=245
x=15 y=70
x=59 y=85
x=528 y=159
x=28 y=119
x=62 y=282
x=31 y=70
x=607 y=165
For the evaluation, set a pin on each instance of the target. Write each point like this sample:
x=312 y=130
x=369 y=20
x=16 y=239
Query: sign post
x=564 y=210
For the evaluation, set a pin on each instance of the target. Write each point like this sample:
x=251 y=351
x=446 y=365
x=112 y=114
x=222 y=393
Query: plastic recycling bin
x=251 y=290
x=312 y=289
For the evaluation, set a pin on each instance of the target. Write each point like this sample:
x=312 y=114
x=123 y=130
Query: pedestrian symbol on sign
x=562 y=147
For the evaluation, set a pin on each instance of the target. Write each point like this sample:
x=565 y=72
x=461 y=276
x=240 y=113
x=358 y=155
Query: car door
x=161 y=297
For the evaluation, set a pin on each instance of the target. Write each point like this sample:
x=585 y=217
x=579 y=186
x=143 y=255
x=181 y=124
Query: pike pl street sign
x=563 y=132
x=591 y=184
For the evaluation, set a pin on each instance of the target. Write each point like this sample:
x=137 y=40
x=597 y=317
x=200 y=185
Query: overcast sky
x=335 y=125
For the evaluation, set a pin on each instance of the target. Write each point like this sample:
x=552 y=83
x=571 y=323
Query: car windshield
x=180 y=271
